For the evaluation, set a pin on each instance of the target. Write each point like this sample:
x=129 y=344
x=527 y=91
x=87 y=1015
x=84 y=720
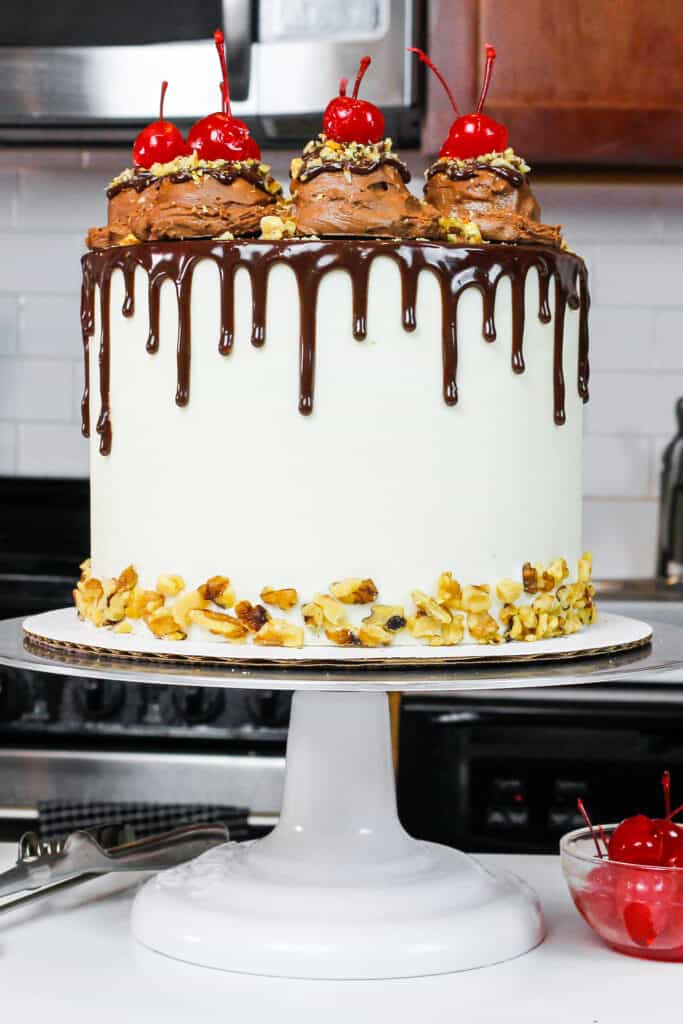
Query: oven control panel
x=49 y=705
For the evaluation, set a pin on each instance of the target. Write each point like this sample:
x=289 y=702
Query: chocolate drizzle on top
x=226 y=174
x=457 y=268
x=463 y=171
x=311 y=171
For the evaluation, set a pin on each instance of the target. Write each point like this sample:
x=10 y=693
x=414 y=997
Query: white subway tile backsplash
x=51 y=449
x=616 y=467
x=7 y=448
x=621 y=339
x=8 y=325
x=593 y=212
x=630 y=235
x=638 y=275
x=49 y=326
x=40 y=262
x=35 y=389
x=60 y=200
x=8 y=197
x=668 y=345
x=622 y=536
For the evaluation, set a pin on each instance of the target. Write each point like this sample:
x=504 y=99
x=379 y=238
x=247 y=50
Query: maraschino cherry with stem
x=160 y=142
x=221 y=136
x=348 y=119
x=470 y=135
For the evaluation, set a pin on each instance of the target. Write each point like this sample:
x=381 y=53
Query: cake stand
x=339 y=889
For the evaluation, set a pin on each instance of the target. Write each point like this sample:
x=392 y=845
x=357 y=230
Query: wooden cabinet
x=576 y=81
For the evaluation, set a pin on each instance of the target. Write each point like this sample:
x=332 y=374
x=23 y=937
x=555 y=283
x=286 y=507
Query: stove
x=71 y=738
x=498 y=772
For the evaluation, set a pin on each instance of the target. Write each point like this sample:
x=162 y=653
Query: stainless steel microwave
x=83 y=70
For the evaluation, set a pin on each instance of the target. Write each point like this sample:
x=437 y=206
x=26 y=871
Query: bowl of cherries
x=626 y=881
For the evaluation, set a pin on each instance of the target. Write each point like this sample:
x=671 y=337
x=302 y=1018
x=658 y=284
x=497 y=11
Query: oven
x=79 y=71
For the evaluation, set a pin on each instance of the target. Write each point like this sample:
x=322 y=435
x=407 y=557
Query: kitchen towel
x=57 y=818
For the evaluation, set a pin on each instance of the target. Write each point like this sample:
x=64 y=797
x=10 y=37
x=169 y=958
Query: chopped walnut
x=559 y=570
x=334 y=613
x=429 y=606
x=508 y=590
x=169 y=586
x=278 y=633
x=274 y=228
x=143 y=602
x=164 y=625
x=313 y=615
x=452 y=633
x=218 y=623
x=585 y=567
x=283 y=599
x=219 y=590
x=355 y=591
x=388 y=616
x=449 y=593
x=343 y=637
x=254 y=616
x=476 y=599
x=372 y=635
x=483 y=628
x=425 y=627
x=529 y=578
x=180 y=609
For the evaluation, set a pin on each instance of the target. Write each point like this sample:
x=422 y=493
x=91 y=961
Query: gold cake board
x=61 y=634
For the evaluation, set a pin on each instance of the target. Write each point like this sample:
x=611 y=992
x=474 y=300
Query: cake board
x=339 y=889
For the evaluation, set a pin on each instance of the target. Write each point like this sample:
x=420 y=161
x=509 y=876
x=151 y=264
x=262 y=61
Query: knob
x=197 y=704
x=15 y=695
x=269 y=708
x=96 y=699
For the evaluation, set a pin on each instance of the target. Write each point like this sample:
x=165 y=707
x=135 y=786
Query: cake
x=349 y=417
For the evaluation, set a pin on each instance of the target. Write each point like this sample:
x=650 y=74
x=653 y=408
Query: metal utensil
x=43 y=868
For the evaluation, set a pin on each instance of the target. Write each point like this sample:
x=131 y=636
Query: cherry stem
x=164 y=87
x=666 y=786
x=219 y=40
x=490 y=58
x=432 y=67
x=676 y=810
x=584 y=814
x=362 y=68
x=343 y=82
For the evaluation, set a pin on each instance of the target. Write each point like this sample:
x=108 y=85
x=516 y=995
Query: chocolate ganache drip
x=456 y=268
x=464 y=170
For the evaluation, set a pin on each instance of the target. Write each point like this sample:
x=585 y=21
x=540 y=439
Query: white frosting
x=382 y=480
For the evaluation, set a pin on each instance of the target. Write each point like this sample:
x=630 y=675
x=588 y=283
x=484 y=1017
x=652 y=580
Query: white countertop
x=72 y=957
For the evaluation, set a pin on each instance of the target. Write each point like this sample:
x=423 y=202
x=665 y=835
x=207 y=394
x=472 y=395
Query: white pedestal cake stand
x=339 y=889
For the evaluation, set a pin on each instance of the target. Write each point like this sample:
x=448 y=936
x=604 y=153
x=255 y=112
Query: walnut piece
x=278 y=633
x=219 y=623
x=254 y=616
x=283 y=599
x=219 y=590
x=169 y=586
x=355 y=591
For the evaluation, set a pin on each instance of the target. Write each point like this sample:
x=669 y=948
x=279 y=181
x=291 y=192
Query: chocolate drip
x=87 y=329
x=225 y=175
x=456 y=268
x=465 y=171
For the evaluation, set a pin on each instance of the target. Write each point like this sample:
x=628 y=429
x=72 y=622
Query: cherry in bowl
x=635 y=908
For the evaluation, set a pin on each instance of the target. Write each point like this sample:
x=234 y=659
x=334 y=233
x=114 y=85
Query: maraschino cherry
x=470 y=135
x=160 y=142
x=348 y=119
x=221 y=136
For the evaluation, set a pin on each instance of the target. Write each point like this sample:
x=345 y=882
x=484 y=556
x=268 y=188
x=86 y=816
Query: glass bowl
x=636 y=910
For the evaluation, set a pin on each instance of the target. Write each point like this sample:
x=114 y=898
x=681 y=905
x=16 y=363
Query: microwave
x=87 y=72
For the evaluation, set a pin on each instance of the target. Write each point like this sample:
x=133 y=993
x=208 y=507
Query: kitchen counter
x=72 y=956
